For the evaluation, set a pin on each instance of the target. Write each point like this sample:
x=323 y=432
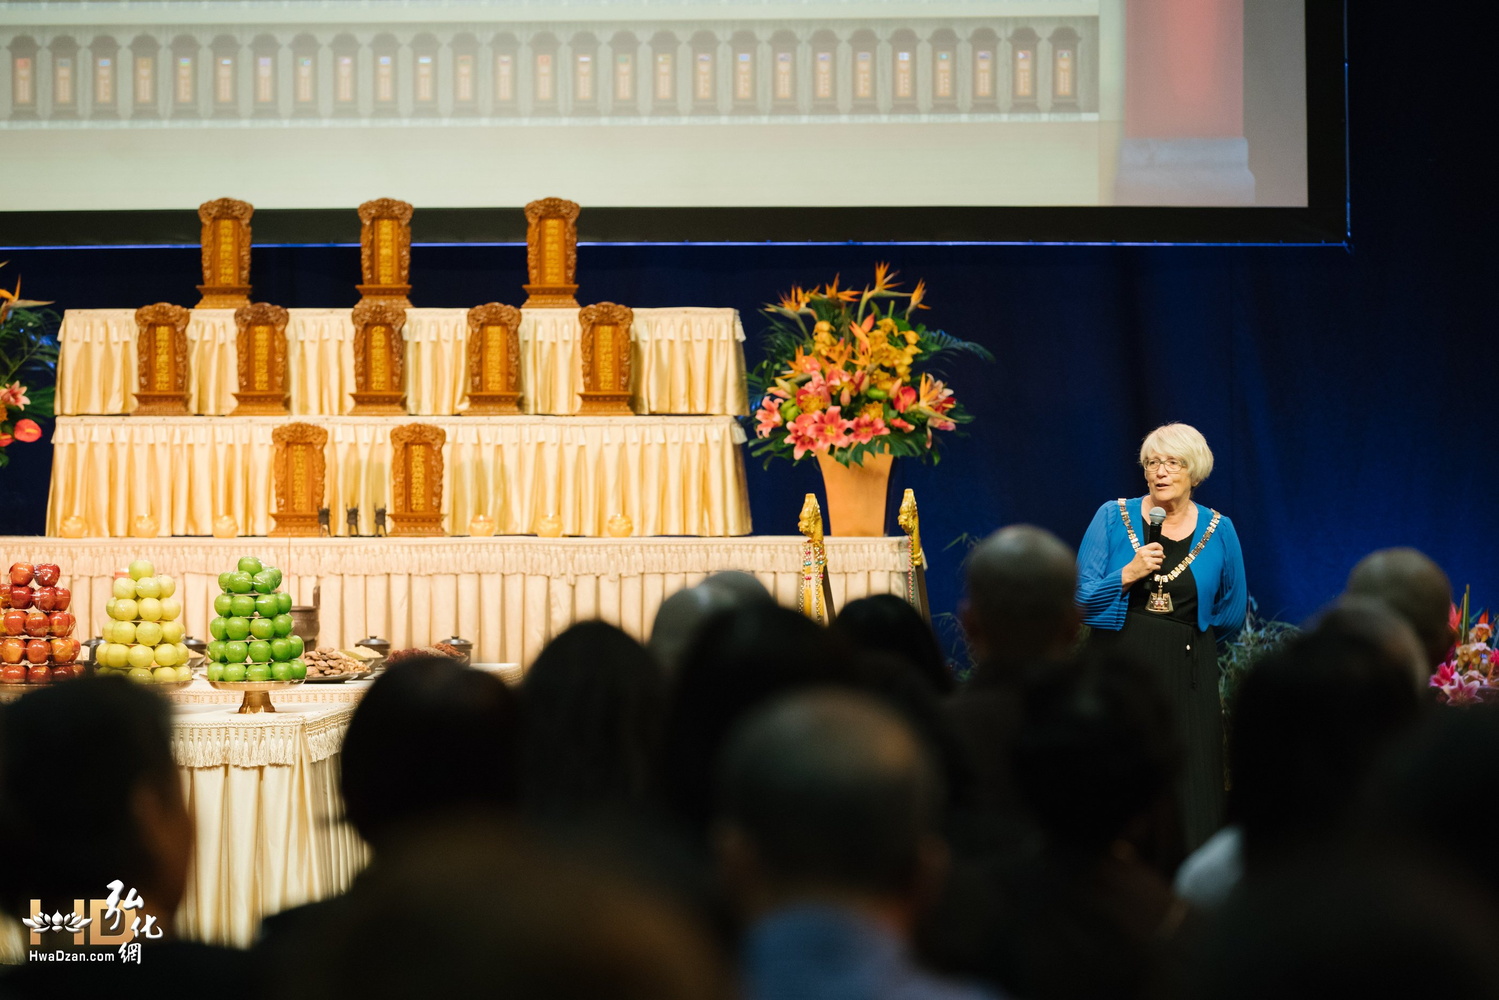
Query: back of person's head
x=1415 y=588
x=594 y=702
x=889 y=625
x=683 y=613
x=429 y=737
x=740 y=659
x=1434 y=789
x=1020 y=607
x=1375 y=622
x=1309 y=721
x=89 y=794
x=482 y=910
x=827 y=789
x=1095 y=757
x=1349 y=925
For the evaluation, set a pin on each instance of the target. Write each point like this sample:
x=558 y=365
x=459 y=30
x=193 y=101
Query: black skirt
x=1185 y=664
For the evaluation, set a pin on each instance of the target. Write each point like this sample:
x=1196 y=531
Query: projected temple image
x=635 y=104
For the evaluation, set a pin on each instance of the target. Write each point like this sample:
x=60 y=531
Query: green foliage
x=1238 y=657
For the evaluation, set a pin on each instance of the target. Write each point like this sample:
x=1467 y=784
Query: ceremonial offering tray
x=257 y=694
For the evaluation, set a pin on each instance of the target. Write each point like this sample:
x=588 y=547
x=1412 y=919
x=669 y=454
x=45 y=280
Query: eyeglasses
x=1171 y=464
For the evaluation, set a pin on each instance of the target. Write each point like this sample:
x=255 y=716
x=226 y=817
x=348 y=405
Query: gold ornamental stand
x=909 y=519
x=816 y=597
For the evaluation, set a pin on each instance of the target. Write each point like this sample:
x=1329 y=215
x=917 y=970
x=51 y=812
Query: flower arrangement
x=27 y=350
x=1471 y=673
x=846 y=374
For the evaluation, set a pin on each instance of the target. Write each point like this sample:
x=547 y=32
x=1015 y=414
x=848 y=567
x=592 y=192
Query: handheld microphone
x=1157 y=517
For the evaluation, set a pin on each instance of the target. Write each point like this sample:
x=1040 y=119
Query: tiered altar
x=610 y=424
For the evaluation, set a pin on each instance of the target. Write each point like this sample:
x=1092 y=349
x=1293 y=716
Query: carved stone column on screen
x=261 y=350
x=416 y=479
x=299 y=472
x=552 y=254
x=161 y=360
x=493 y=360
x=379 y=360
x=385 y=251
x=226 y=253
x=606 y=358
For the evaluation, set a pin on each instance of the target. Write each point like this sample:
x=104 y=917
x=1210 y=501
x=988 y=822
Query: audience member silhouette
x=739 y=659
x=683 y=613
x=887 y=625
x=594 y=704
x=1415 y=588
x=1019 y=609
x=826 y=835
x=1092 y=915
x=475 y=909
x=1341 y=924
x=1018 y=614
x=1309 y=721
x=429 y=740
x=90 y=796
x=1437 y=790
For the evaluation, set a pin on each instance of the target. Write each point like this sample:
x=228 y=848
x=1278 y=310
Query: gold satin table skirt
x=669 y=475
x=684 y=361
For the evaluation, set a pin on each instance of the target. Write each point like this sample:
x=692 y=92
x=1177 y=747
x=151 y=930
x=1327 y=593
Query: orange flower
x=27 y=430
x=796 y=299
x=832 y=291
x=884 y=278
x=917 y=294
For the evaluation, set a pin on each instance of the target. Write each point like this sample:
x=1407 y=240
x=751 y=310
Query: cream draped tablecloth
x=262 y=791
x=509 y=596
x=263 y=794
x=684 y=361
x=669 y=475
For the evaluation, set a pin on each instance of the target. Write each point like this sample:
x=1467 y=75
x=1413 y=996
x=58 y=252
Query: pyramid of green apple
x=251 y=636
x=143 y=638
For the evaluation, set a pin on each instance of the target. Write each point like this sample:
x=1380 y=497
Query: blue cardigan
x=1222 y=597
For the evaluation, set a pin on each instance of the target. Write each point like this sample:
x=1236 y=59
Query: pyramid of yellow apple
x=143 y=638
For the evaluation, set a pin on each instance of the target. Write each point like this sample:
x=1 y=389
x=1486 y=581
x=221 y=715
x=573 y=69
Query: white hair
x=1184 y=442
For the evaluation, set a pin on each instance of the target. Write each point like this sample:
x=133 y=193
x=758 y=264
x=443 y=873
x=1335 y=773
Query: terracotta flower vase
x=856 y=495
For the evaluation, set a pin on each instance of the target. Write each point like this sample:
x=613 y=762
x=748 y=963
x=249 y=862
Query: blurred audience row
x=756 y=806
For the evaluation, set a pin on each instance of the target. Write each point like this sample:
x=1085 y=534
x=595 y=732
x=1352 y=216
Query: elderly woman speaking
x=1157 y=600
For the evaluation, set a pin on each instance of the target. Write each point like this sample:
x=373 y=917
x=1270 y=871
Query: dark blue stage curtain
x=1349 y=397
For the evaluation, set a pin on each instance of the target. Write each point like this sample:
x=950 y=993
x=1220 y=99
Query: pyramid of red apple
x=251 y=635
x=143 y=639
x=36 y=627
